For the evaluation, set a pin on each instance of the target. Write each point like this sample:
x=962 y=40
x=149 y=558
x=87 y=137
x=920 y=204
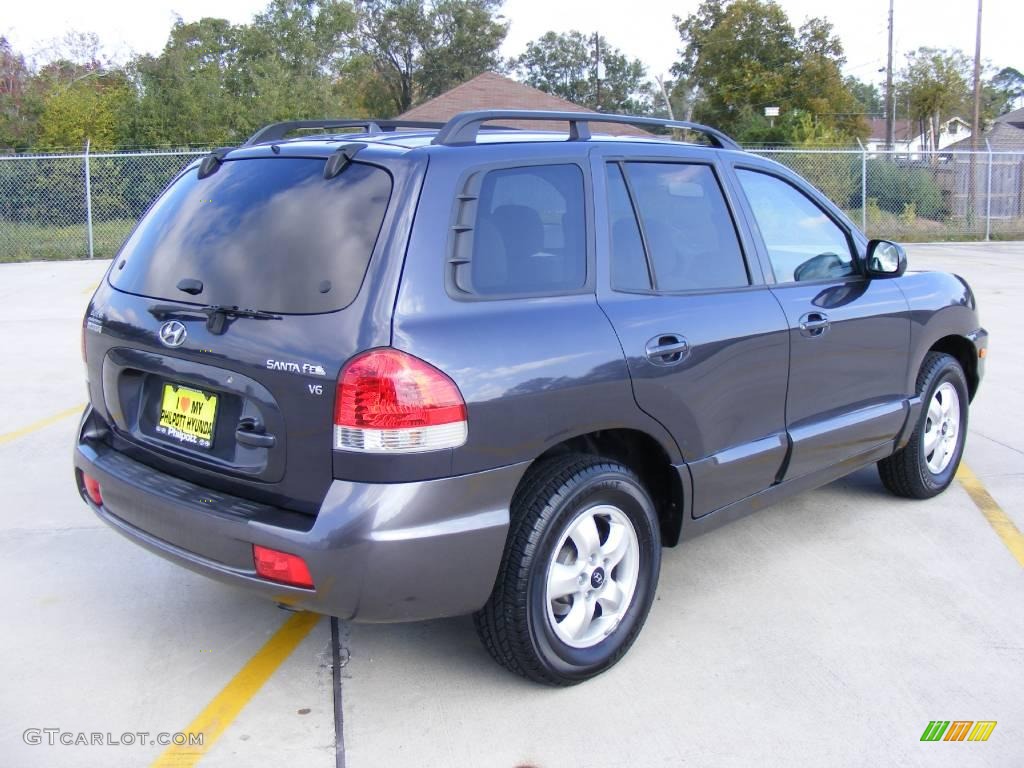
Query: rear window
x=268 y=234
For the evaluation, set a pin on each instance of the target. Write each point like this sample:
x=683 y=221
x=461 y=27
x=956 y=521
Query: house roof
x=1002 y=136
x=906 y=130
x=489 y=90
x=901 y=129
x=1015 y=118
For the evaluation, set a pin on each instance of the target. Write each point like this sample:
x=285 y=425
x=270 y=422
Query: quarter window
x=529 y=236
x=629 y=263
x=690 y=236
x=803 y=243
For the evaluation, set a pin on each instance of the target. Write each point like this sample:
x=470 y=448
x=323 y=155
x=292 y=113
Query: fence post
x=88 y=198
x=988 y=193
x=863 y=187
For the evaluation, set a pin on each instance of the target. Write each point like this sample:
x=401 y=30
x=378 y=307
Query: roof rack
x=371 y=125
x=463 y=128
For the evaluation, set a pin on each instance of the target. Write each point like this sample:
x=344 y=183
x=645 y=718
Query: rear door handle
x=814 y=324
x=667 y=349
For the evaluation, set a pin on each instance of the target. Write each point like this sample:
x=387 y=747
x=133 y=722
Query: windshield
x=267 y=233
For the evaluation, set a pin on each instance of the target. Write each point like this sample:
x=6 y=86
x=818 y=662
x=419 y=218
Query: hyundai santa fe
x=397 y=371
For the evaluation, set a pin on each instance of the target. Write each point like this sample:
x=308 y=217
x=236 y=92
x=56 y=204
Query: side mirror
x=886 y=259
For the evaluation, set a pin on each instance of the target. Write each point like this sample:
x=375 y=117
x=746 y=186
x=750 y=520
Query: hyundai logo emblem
x=597 y=578
x=173 y=333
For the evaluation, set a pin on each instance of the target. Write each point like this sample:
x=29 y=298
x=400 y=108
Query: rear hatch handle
x=252 y=432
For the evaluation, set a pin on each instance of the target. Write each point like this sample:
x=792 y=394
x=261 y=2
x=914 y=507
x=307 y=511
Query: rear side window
x=529 y=236
x=268 y=234
x=689 y=232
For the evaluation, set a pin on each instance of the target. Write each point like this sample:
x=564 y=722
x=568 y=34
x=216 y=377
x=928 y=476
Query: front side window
x=803 y=243
x=689 y=232
x=529 y=236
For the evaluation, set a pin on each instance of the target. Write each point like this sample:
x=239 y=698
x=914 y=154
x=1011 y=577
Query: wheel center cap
x=945 y=427
x=597 y=578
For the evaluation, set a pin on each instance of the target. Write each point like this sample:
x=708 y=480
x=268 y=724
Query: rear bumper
x=376 y=552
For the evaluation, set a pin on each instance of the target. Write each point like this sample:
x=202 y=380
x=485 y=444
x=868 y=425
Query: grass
x=917 y=229
x=36 y=242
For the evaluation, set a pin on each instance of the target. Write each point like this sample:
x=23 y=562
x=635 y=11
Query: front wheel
x=578 y=574
x=926 y=465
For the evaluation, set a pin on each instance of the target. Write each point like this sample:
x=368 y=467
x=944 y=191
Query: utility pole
x=597 y=67
x=976 y=122
x=972 y=178
x=890 y=102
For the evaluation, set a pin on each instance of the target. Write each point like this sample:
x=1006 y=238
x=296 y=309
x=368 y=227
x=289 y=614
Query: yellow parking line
x=91 y=289
x=225 y=706
x=12 y=436
x=1001 y=524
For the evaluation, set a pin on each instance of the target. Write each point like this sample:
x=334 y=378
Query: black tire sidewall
x=605 y=487
x=952 y=373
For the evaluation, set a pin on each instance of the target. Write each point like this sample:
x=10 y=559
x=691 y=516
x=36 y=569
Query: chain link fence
x=71 y=206
x=964 y=195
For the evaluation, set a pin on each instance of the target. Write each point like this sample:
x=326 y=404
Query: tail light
x=92 y=489
x=391 y=402
x=281 y=567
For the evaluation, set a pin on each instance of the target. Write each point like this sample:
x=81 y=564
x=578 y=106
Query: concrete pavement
x=828 y=630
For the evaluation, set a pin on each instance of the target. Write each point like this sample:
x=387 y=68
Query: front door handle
x=667 y=349
x=814 y=324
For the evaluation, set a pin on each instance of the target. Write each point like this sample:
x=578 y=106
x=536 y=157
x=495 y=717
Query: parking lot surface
x=828 y=630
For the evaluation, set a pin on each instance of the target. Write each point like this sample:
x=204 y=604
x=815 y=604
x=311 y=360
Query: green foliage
x=740 y=56
x=92 y=107
x=566 y=65
x=934 y=83
x=1003 y=91
x=895 y=186
x=417 y=49
x=869 y=98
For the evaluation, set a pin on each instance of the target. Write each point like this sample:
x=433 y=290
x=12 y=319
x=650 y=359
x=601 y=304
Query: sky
x=642 y=29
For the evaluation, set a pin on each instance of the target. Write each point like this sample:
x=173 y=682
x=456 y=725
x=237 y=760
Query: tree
x=191 y=91
x=417 y=49
x=15 y=122
x=740 y=56
x=1007 y=89
x=868 y=96
x=90 y=107
x=566 y=65
x=934 y=83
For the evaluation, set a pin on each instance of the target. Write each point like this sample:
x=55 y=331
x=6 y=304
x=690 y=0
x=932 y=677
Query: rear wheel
x=579 y=571
x=926 y=465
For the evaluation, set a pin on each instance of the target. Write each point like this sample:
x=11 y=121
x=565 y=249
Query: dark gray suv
x=401 y=371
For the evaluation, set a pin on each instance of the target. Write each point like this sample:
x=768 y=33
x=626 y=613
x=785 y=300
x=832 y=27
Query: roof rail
x=371 y=125
x=463 y=128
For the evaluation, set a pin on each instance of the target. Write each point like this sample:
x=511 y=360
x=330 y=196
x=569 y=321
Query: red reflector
x=92 y=489
x=282 y=567
x=390 y=389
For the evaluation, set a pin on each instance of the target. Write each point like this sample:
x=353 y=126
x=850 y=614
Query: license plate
x=187 y=415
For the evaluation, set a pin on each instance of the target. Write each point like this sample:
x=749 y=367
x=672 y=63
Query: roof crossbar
x=463 y=128
x=370 y=125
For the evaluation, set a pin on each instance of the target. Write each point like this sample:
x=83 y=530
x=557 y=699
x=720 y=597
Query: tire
x=915 y=470
x=522 y=628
